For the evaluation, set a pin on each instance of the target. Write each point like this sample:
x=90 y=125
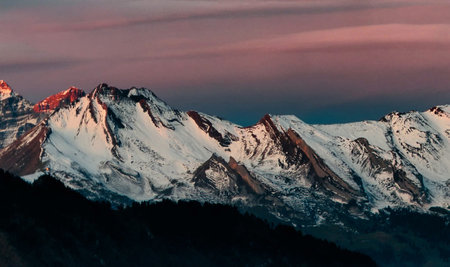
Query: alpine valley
x=124 y=145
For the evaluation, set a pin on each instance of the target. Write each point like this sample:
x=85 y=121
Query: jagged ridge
x=129 y=142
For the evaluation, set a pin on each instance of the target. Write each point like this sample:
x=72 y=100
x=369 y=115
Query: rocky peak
x=16 y=115
x=438 y=111
x=4 y=86
x=110 y=92
x=266 y=120
x=73 y=93
x=59 y=100
x=388 y=117
x=270 y=126
x=5 y=90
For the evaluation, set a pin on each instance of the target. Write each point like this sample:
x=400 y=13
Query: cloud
x=273 y=9
x=28 y=66
x=352 y=39
x=257 y=56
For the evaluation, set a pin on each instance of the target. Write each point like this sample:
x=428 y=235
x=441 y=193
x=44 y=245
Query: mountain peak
x=108 y=91
x=58 y=100
x=266 y=118
x=114 y=93
x=394 y=114
x=439 y=110
x=5 y=90
x=267 y=121
x=72 y=89
x=4 y=85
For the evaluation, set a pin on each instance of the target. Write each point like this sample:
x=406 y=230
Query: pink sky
x=237 y=59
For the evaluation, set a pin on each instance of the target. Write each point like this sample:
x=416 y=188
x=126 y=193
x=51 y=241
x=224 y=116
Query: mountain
x=16 y=113
x=127 y=144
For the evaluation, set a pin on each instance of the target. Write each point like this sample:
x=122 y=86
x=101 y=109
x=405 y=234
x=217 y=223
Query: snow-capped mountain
x=116 y=144
x=16 y=115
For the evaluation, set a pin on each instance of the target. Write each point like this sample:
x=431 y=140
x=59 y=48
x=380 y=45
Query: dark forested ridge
x=47 y=224
x=395 y=237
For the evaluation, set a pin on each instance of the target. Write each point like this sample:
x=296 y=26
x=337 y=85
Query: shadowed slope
x=47 y=224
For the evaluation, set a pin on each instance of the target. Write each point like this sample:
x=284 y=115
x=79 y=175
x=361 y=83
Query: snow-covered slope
x=129 y=143
x=416 y=144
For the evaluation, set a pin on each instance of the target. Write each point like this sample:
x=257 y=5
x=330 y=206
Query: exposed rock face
x=217 y=175
x=12 y=103
x=207 y=127
x=377 y=165
x=155 y=108
x=437 y=111
x=294 y=154
x=59 y=100
x=5 y=90
x=321 y=174
x=224 y=178
x=299 y=155
x=252 y=184
x=23 y=156
x=16 y=115
x=374 y=162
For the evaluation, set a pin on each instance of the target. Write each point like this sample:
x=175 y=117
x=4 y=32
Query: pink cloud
x=338 y=49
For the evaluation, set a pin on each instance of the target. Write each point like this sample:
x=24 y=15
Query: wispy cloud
x=34 y=65
x=274 y=9
x=254 y=52
x=353 y=39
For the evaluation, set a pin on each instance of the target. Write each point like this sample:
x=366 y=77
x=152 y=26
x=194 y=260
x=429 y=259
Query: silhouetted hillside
x=47 y=224
x=395 y=237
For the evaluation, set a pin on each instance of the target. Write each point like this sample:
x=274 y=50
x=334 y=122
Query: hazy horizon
x=251 y=120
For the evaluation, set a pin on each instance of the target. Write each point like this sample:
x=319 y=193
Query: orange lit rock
x=59 y=100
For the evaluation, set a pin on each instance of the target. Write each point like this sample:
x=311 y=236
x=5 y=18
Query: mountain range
x=124 y=145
